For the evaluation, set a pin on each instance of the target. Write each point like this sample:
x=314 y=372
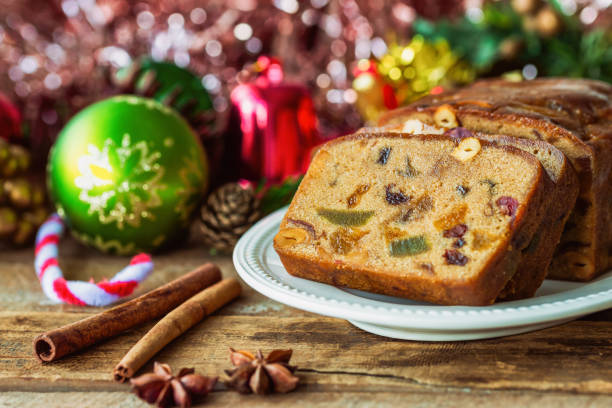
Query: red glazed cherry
x=507 y=205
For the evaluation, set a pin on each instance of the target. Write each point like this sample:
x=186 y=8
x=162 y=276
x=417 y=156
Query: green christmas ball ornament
x=126 y=174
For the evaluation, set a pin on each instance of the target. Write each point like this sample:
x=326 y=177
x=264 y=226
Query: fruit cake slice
x=575 y=115
x=537 y=256
x=427 y=217
x=562 y=189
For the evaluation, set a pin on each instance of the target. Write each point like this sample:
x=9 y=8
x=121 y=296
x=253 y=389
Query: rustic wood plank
x=331 y=352
x=340 y=365
x=498 y=399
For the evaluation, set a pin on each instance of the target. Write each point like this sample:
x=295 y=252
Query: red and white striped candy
x=82 y=293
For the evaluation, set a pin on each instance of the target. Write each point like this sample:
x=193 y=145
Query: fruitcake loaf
x=429 y=217
x=575 y=115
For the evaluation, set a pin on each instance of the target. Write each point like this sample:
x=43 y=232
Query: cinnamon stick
x=174 y=324
x=57 y=343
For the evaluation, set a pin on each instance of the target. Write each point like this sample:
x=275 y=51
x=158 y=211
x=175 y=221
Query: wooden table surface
x=339 y=365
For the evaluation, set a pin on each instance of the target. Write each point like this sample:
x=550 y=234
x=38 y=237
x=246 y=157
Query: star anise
x=162 y=388
x=254 y=373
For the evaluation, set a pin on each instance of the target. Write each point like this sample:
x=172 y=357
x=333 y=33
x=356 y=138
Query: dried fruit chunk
x=392 y=234
x=458 y=134
x=346 y=218
x=416 y=210
x=291 y=236
x=507 y=205
x=344 y=240
x=409 y=246
x=467 y=149
x=492 y=186
x=354 y=198
x=462 y=190
x=456 y=232
x=445 y=117
x=454 y=257
x=383 y=156
x=410 y=171
x=309 y=227
x=456 y=216
x=395 y=198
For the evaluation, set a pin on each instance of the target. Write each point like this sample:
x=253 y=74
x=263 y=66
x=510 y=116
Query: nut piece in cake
x=445 y=117
x=467 y=149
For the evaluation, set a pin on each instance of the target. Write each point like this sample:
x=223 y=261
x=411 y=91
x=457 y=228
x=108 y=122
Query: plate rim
x=431 y=317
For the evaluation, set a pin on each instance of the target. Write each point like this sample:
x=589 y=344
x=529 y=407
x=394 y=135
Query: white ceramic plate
x=555 y=302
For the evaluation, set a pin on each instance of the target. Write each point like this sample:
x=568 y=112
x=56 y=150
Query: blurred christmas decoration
x=374 y=94
x=272 y=127
x=55 y=56
x=536 y=37
x=171 y=85
x=22 y=198
x=126 y=174
x=406 y=73
x=228 y=213
x=275 y=196
x=180 y=89
x=10 y=120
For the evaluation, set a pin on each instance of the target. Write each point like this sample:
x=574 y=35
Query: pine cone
x=229 y=211
x=22 y=201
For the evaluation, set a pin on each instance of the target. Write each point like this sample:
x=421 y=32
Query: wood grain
x=340 y=365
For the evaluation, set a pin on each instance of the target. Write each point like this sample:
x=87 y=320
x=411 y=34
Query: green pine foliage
x=573 y=52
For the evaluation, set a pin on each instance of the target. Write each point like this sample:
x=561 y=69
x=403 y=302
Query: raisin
x=354 y=198
x=410 y=171
x=454 y=257
x=384 y=155
x=456 y=232
x=395 y=198
x=462 y=190
x=459 y=243
x=507 y=205
x=409 y=246
x=458 y=134
x=345 y=218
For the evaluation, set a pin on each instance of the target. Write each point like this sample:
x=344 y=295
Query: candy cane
x=81 y=293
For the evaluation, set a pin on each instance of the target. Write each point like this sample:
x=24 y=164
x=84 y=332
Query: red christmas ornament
x=272 y=127
x=10 y=119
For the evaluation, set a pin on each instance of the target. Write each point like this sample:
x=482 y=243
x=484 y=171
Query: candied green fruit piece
x=346 y=218
x=409 y=246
